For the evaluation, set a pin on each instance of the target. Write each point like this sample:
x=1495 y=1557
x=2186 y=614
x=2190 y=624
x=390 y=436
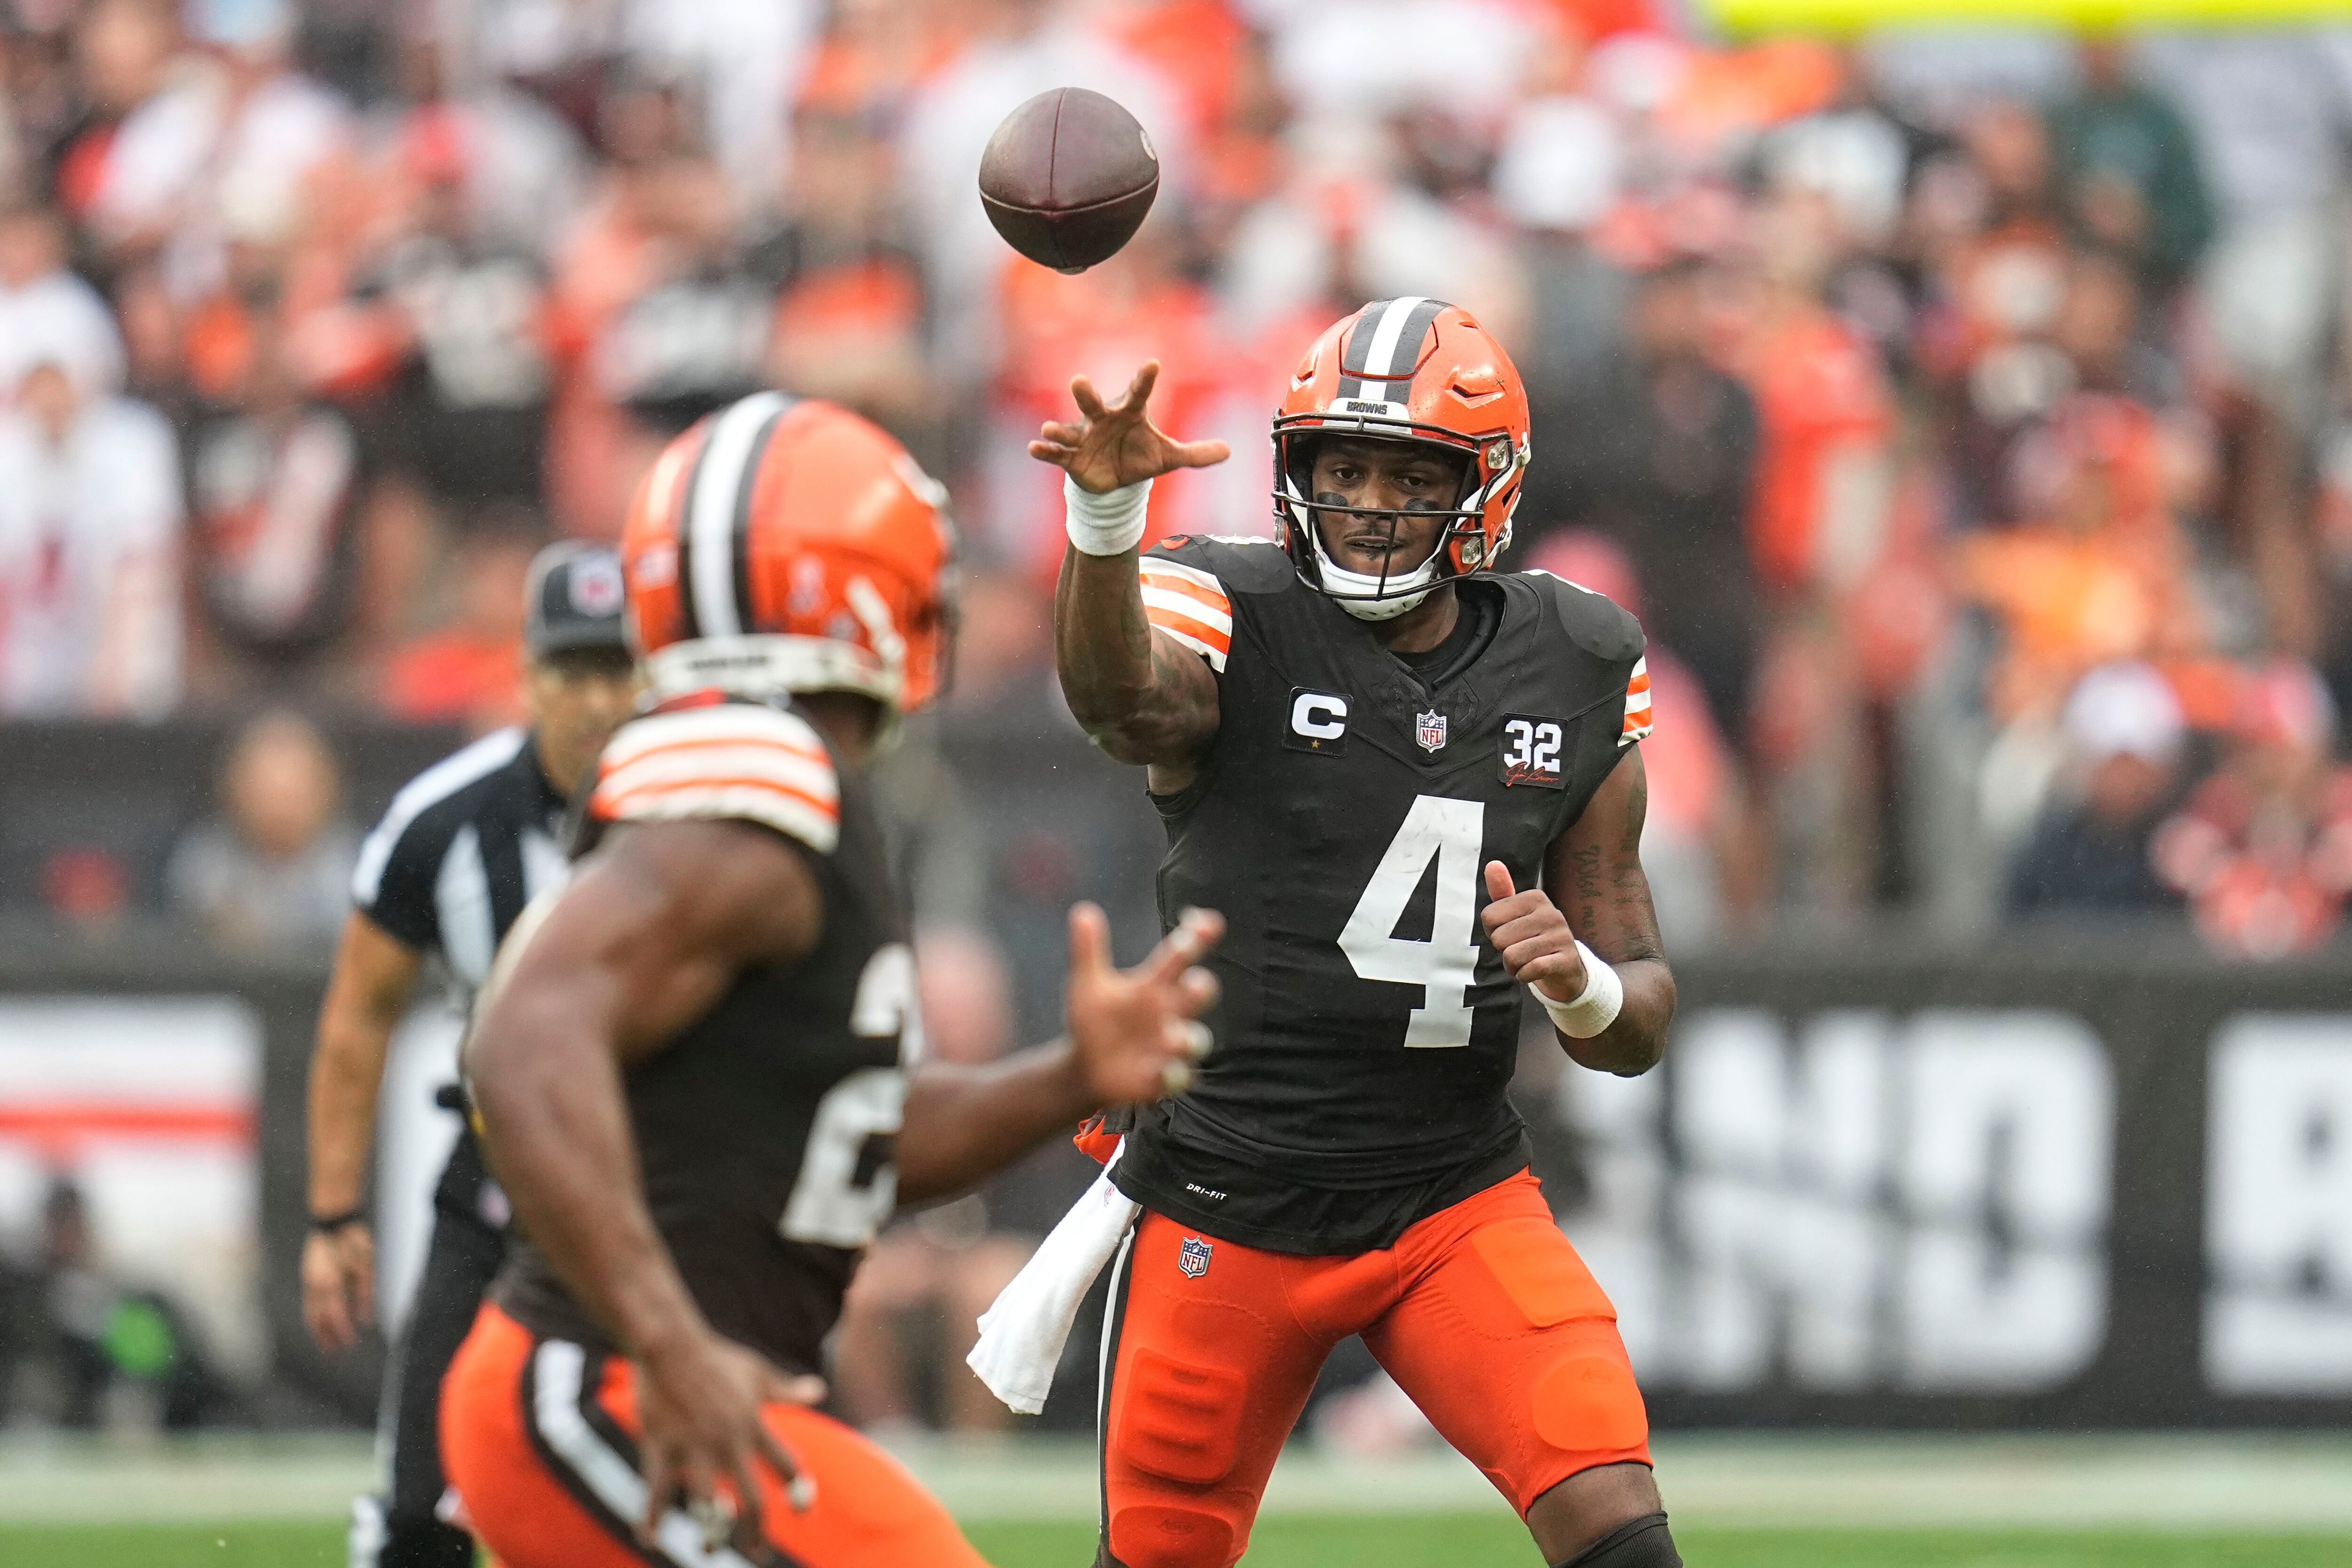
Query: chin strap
x=1355 y=592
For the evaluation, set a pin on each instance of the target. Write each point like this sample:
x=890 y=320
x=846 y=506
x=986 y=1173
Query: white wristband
x=1597 y=1008
x=1107 y=525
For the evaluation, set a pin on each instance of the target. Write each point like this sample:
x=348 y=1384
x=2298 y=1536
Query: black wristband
x=327 y=1224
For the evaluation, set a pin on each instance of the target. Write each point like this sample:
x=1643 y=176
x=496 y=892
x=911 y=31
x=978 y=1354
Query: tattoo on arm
x=1141 y=697
x=1633 y=923
x=1595 y=870
x=1584 y=866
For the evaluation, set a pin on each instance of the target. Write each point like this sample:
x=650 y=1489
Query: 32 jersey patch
x=1530 y=751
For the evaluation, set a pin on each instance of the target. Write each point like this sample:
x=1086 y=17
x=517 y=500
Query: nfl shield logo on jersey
x=1429 y=729
x=1192 y=1257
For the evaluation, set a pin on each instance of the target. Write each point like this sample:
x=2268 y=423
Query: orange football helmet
x=784 y=545
x=1408 y=369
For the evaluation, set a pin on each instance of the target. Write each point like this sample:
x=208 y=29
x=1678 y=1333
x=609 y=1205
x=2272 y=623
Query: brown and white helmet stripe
x=1385 y=347
x=714 y=516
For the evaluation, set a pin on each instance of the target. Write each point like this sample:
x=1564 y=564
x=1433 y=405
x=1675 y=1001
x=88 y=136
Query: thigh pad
x=1179 y=1419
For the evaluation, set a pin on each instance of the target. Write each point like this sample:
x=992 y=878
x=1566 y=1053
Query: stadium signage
x=2111 y=1195
x=2035 y=1188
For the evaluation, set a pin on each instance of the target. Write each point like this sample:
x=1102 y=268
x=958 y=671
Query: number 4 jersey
x=1341 y=820
x=764 y=1129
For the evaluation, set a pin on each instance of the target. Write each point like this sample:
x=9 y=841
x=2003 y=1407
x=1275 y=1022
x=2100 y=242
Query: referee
x=465 y=845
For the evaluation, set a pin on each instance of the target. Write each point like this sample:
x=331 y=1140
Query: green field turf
x=1427 y=1541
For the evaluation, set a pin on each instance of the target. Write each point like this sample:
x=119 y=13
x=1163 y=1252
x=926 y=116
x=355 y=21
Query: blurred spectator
x=1702 y=844
x=276 y=481
x=2127 y=169
x=2101 y=573
x=1818 y=518
x=1138 y=306
x=692 y=336
x=2271 y=109
x=850 y=319
x=2089 y=853
x=450 y=334
x=1657 y=452
x=225 y=148
x=1826 y=339
x=1558 y=173
x=1345 y=58
x=47 y=315
x=1350 y=224
x=89 y=552
x=101 y=1354
x=271 y=869
x=659 y=317
x=911 y=1313
x=2263 y=848
x=1819 y=521
x=743 y=56
x=122 y=53
x=465 y=672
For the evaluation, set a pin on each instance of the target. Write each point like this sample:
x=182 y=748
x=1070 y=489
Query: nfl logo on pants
x=1192 y=1257
x=1429 y=729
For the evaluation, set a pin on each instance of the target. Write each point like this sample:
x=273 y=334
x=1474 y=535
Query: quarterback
x=1411 y=781
x=698 y=1068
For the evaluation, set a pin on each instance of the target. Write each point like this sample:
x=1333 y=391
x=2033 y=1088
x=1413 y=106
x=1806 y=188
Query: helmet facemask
x=1383 y=596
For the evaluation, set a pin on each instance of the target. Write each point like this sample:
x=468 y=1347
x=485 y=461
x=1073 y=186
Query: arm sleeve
x=731 y=760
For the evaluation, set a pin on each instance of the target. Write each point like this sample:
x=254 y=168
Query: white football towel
x=1022 y=1335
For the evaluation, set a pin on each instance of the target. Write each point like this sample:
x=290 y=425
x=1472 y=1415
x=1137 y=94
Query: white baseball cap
x=2125 y=708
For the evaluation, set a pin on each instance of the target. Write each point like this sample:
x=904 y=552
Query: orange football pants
x=539 y=1436
x=1483 y=1314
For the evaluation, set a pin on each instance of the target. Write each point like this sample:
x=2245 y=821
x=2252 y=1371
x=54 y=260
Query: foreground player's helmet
x=1403 y=370
x=785 y=545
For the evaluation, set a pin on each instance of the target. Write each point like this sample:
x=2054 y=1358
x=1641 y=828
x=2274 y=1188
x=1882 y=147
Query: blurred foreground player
x=698 y=1071
x=465 y=847
x=1366 y=741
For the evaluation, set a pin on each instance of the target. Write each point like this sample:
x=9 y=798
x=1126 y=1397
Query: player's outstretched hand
x=699 y=1400
x=1118 y=443
x=1532 y=935
x=1137 y=1032
x=339 y=1284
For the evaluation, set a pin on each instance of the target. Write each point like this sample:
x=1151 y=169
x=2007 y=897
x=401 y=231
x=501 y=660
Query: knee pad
x=1157 y=1535
x=1643 y=1542
x=1178 y=1420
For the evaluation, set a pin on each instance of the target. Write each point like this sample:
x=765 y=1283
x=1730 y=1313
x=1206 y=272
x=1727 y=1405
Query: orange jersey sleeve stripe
x=789 y=812
x=718 y=759
x=1169 y=583
x=1638 y=723
x=728 y=761
x=618 y=758
x=621 y=800
x=1210 y=644
x=1189 y=625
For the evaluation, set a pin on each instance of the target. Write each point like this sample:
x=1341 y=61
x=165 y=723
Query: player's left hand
x=1135 y=1033
x=699 y=1402
x=1532 y=935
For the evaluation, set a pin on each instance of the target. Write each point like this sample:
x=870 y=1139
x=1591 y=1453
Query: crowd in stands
x=1969 y=416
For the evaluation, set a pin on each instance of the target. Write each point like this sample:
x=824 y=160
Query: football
x=1068 y=177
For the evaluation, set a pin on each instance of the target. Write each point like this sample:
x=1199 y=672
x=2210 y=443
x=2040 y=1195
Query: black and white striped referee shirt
x=465 y=846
